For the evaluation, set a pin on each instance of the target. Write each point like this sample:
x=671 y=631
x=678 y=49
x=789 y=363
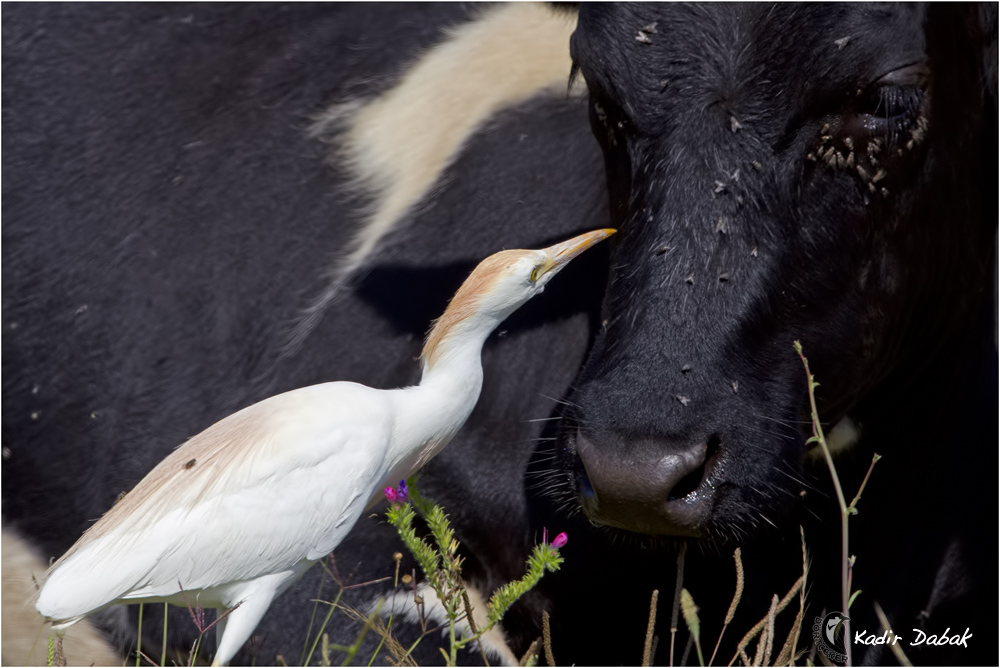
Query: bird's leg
x=239 y=625
x=220 y=629
x=251 y=600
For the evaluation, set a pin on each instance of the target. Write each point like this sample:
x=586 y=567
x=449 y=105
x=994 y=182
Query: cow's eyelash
x=893 y=101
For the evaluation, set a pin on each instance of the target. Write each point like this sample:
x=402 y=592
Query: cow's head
x=778 y=173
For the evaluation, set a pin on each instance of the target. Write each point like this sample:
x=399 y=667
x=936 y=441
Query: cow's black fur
x=738 y=237
x=166 y=219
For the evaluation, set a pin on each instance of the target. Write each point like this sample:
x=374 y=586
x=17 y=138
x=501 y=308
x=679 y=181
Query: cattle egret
x=239 y=512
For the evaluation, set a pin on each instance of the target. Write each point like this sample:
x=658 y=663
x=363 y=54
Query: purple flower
x=560 y=540
x=403 y=491
x=390 y=494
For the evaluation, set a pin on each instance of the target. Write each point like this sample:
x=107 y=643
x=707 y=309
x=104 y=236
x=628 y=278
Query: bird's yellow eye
x=534 y=273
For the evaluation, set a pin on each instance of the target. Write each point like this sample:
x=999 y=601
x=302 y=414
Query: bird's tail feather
x=87 y=582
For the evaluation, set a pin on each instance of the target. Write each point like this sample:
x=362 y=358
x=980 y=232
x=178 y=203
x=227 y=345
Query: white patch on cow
x=25 y=634
x=396 y=146
x=401 y=604
x=841 y=438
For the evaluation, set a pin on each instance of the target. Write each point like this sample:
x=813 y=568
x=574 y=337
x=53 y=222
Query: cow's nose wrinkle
x=653 y=488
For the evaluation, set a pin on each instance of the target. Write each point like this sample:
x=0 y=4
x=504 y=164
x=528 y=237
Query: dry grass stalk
x=738 y=558
x=647 y=648
x=787 y=650
x=787 y=655
x=547 y=639
x=896 y=649
x=768 y=637
x=472 y=625
x=530 y=657
x=759 y=626
x=687 y=650
x=400 y=656
x=737 y=595
x=758 y=657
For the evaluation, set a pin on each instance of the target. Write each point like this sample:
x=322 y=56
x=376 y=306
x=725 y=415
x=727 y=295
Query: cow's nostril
x=657 y=488
x=692 y=480
x=687 y=484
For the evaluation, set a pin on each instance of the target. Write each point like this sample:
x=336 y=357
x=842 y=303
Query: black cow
x=809 y=173
x=171 y=220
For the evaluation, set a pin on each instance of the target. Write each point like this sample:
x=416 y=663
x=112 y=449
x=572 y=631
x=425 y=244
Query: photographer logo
x=828 y=634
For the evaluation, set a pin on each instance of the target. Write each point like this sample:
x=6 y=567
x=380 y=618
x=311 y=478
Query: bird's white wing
x=258 y=492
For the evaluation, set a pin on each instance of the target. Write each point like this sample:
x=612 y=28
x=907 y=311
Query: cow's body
x=169 y=218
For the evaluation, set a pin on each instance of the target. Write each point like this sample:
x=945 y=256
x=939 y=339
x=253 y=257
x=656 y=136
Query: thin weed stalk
x=675 y=609
x=34 y=645
x=319 y=634
x=312 y=619
x=398 y=558
x=846 y=559
x=163 y=649
x=138 y=649
x=896 y=649
x=845 y=565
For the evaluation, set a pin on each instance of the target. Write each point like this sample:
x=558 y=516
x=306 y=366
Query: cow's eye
x=890 y=105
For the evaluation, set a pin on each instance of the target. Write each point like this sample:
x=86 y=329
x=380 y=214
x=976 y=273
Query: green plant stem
x=675 y=610
x=319 y=634
x=352 y=651
x=398 y=557
x=163 y=650
x=312 y=618
x=451 y=631
x=845 y=593
x=896 y=649
x=857 y=497
x=197 y=647
x=138 y=650
x=34 y=645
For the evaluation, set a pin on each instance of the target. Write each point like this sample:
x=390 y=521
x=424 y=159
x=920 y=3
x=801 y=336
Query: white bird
x=238 y=513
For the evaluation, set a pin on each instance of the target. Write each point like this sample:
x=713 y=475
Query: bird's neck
x=432 y=412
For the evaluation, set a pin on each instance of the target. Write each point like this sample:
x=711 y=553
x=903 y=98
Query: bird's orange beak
x=560 y=254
